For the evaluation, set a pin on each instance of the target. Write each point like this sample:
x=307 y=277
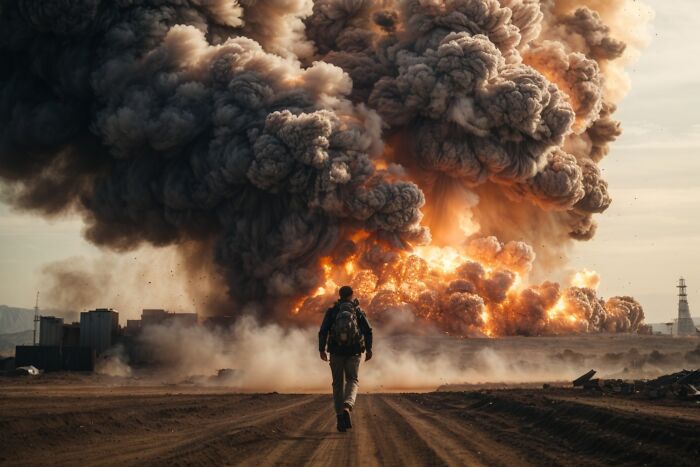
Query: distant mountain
x=9 y=341
x=13 y=320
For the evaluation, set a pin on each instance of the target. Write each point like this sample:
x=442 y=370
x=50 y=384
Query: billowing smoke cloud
x=294 y=137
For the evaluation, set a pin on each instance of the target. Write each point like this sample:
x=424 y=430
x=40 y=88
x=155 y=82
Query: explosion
x=480 y=292
x=424 y=151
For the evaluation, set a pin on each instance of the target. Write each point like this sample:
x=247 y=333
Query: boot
x=341 y=423
x=346 y=417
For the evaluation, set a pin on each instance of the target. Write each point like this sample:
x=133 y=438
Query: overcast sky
x=647 y=239
x=651 y=234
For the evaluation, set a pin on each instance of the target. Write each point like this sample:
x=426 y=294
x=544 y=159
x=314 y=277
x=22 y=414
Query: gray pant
x=344 y=370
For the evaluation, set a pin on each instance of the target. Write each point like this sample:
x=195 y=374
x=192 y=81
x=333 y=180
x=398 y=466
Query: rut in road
x=388 y=430
x=499 y=428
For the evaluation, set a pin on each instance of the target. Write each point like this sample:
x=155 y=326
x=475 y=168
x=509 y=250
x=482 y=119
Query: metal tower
x=37 y=318
x=685 y=325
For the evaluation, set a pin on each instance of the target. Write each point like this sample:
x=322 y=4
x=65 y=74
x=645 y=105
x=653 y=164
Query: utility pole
x=37 y=318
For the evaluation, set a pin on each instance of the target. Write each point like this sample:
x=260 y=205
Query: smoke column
x=426 y=151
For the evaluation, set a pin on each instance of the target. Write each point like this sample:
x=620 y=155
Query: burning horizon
x=481 y=291
x=433 y=154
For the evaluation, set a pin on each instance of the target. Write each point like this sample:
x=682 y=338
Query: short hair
x=345 y=291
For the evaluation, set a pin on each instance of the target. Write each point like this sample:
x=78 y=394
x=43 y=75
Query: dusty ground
x=79 y=424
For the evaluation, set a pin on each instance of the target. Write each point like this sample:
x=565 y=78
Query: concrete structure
x=78 y=358
x=151 y=316
x=222 y=322
x=55 y=358
x=684 y=325
x=133 y=327
x=71 y=335
x=139 y=351
x=47 y=358
x=184 y=319
x=99 y=329
x=51 y=331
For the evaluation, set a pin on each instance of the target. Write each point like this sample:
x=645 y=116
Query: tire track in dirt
x=213 y=439
x=159 y=441
x=513 y=437
x=558 y=431
x=484 y=428
x=455 y=442
x=379 y=436
x=635 y=407
x=288 y=446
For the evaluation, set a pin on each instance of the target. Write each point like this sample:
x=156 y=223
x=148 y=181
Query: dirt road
x=172 y=426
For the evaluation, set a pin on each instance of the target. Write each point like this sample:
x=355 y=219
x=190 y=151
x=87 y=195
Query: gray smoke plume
x=488 y=91
x=265 y=127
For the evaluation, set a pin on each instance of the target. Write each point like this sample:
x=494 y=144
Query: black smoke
x=161 y=121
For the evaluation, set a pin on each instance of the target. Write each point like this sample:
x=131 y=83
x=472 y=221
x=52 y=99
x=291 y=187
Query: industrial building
x=76 y=346
x=44 y=357
x=78 y=358
x=51 y=331
x=151 y=316
x=138 y=351
x=99 y=329
x=133 y=327
x=158 y=316
x=55 y=358
x=220 y=322
x=71 y=335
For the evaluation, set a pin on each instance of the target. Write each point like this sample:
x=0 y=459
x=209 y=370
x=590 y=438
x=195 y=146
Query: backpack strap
x=334 y=311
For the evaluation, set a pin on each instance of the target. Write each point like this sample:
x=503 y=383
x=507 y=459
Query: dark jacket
x=325 y=337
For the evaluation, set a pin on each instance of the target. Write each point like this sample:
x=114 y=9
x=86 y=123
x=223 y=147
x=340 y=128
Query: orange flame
x=445 y=288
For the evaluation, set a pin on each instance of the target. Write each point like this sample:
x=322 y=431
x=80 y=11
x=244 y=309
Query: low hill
x=13 y=320
x=8 y=342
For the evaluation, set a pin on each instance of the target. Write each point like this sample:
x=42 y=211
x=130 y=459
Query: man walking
x=346 y=333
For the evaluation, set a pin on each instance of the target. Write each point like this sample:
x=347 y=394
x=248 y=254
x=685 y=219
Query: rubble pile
x=684 y=384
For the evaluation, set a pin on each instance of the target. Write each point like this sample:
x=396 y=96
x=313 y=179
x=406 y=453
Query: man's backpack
x=346 y=329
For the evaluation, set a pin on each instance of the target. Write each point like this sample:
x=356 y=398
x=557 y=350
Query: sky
x=650 y=236
x=647 y=239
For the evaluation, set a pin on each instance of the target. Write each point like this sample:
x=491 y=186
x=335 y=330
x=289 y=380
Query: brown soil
x=96 y=425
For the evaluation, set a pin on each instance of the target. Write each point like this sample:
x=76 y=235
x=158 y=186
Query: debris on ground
x=683 y=385
x=583 y=379
x=30 y=370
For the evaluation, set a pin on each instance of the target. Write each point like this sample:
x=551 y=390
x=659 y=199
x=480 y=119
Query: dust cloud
x=270 y=357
